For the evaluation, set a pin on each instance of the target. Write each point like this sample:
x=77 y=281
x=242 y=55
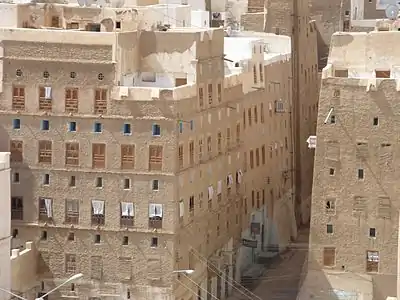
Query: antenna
x=81 y=2
x=391 y=11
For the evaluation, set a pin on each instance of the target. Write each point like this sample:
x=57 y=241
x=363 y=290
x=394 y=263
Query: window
x=255 y=74
x=251 y=159
x=45 y=125
x=228 y=137
x=127 y=184
x=200 y=149
x=210 y=93
x=279 y=107
x=45 y=209
x=156 y=130
x=329 y=256
x=333 y=119
x=100 y=101
x=209 y=145
x=180 y=156
x=238 y=133
x=155 y=215
x=255 y=115
x=72 y=181
x=257 y=157
x=98 y=215
x=341 y=73
x=261 y=73
x=55 y=21
x=180 y=127
x=376 y=121
x=372 y=261
x=16 y=150
x=329 y=228
x=15 y=177
x=191 y=203
x=17 y=208
x=360 y=173
x=71 y=100
x=18 y=99
x=201 y=98
x=219 y=142
x=16 y=124
x=70 y=263
x=330 y=206
x=219 y=90
x=45 y=96
x=15 y=233
x=262 y=113
x=99 y=182
x=191 y=153
x=155 y=158
x=127 y=129
x=154 y=242
x=72 y=126
x=71 y=211
x=127 y=156
x=98 y=127
x=98 y=156
x=125 y=240
x=43 y=235
x=331 y=171
x=127 y=214
x=72 y=154
x=263 y=154
x=382 y=74
x=249 y=115
x=71 y=236
x=155 y=185
x=191 y=124
x=244 y=120
x=46 y=179
x=45 y=152
x=372 y=232
x=118 y=24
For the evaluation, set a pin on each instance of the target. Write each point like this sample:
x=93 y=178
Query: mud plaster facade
x=203 y=190
x=354 y=165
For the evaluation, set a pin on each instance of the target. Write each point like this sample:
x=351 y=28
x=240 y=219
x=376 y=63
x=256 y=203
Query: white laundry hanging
x=127 y=209
x=98 y=207
x=49 y=208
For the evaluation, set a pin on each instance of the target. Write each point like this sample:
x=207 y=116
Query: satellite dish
x=391 y=11
x=81 y=2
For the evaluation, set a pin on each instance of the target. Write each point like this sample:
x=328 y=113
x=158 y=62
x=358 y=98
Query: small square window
x=333 y=119
x=376 y=121
x=98 y=127
x=99 y=182
x=118 y=24
x=154 y=242
x=97 y=239
x=15 y=177
x=71 y=236
x=127 y=129
x=360 y=173
x=46 y=179
x=372 y=232
x=125 y=240
x=331 y=171
x=72 y=126
x=329 y=228
x=43 y=236
x=127 y=184
x=155 y=185
x=156 y=130
x=72 y=181
x=45 y=125
x=16 y=124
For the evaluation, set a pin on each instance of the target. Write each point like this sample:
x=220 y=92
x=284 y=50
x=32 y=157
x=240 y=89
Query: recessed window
x=72 y=181
x=155 y=185
x=46 y=179
x=45 y=125
x=156 y=130
x=329 y=228
x=15 y=177
x=16 y=124
x=98 y=127
x=154 y=242
x=331 y=171
x=72 y=126
x=46 y=74
x=360 y=173
x=72 y=287
x=100 y=76
x=97 y=239
x=127 y=184
x=71 y=236
x=118 y=25
x=72 y=75
x=376 y=121
x=372 y=232
x=127 y=129
x=43 y=236
x=125 y=240
x=99 y=182
x=18 y=73
x=333 y=119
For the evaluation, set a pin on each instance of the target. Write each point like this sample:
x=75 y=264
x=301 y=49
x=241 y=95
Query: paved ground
x=281 y=278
